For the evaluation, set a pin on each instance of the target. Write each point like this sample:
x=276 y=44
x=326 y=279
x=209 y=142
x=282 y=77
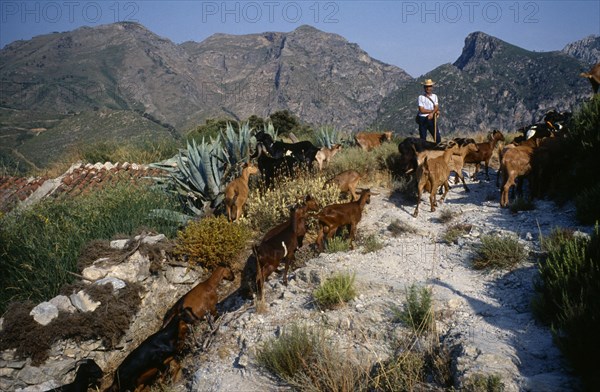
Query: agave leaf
x=170 y=215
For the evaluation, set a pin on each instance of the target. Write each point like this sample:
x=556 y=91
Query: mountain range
x=123 y=82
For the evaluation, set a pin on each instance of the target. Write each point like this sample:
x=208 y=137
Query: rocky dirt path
x=484 y=315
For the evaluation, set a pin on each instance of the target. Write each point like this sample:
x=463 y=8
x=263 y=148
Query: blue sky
x=414 y=35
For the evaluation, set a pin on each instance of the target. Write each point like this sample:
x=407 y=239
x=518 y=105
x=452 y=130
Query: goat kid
x=201 y=299
x=335 y=216
x=236 y=192
x=346 y=181
x=369 y=141
x=432 y=174
x=325 y=154
x=484 y=153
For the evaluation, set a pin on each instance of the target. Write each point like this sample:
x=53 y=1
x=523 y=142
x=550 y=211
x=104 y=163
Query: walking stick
x=435 y=128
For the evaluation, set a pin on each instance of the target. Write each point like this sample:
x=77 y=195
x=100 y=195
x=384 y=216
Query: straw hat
x=428 y=82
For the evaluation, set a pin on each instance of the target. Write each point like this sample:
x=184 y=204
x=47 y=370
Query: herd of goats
x=529 y=155
x=431 y=164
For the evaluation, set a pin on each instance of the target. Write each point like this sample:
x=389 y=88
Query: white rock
x=94 y=273
x=117 y=284
x=44 y=313
x=153 y=239
x=179 y=275
x=63 y=303
x=83 y=302
x=135 y=269
x=119 y=244
x=45 y=386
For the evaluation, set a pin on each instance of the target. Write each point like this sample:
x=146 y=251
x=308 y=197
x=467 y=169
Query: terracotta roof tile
x=79 y=179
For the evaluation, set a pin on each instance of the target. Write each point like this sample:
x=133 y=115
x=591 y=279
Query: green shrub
x=398 y=227
x=567 y=297
x=368 y=163
x=453 y=232
x=147 y=151
x=338 y=243
x=521 y=204
x=271 y=207
x=558 y=236
x=499 y=252
x=304 y=358
x=402 y=373
x=40 y=245
x=417 y=311
x=578 y=162
x=587 y=206
x=212 y=241
x=371 y=244
x=483 y=383
x=335 y=291
x=446 y=216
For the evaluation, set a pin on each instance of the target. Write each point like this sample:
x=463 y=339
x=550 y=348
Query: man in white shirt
x=428 y=112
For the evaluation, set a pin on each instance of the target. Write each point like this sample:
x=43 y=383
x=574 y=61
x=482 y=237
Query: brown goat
x=593 y=76
x=325 y=154
x=346 y=181
x=461 y=146
x=335 y=216
x=280 y=243
x=369 y=141
x=486 y=149
x=309 y=204
x=202 y=298
x=516 y=162
x=237 y=190
x=457 y=161
x=432 y=174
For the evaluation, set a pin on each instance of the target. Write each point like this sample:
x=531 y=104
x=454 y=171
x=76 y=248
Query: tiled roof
x=79 y=179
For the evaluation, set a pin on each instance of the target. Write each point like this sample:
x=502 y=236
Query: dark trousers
x=425 y=125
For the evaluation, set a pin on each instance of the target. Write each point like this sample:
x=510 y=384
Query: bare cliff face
x=320 y=77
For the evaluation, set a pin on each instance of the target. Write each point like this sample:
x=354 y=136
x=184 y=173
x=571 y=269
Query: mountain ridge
x=492 y=85
x=320 y=77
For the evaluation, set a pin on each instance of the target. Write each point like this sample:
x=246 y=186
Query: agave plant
x=197 y=173
x=327 y=137
x=270 y=129
x=237 y=145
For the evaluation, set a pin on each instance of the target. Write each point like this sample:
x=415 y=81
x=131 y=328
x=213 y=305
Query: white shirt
x=426 y=103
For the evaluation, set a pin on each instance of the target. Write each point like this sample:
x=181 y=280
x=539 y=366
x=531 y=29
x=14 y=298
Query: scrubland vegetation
x=40 y=246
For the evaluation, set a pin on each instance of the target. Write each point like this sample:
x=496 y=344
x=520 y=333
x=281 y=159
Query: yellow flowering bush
x=270 y=208
x=212 y=241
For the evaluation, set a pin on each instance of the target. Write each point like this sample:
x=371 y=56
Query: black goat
x=305 y=152
x=271 y=167
x=155 y=355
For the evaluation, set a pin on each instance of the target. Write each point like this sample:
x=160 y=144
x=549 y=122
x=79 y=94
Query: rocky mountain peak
x=586 y=49
x=478 y=46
